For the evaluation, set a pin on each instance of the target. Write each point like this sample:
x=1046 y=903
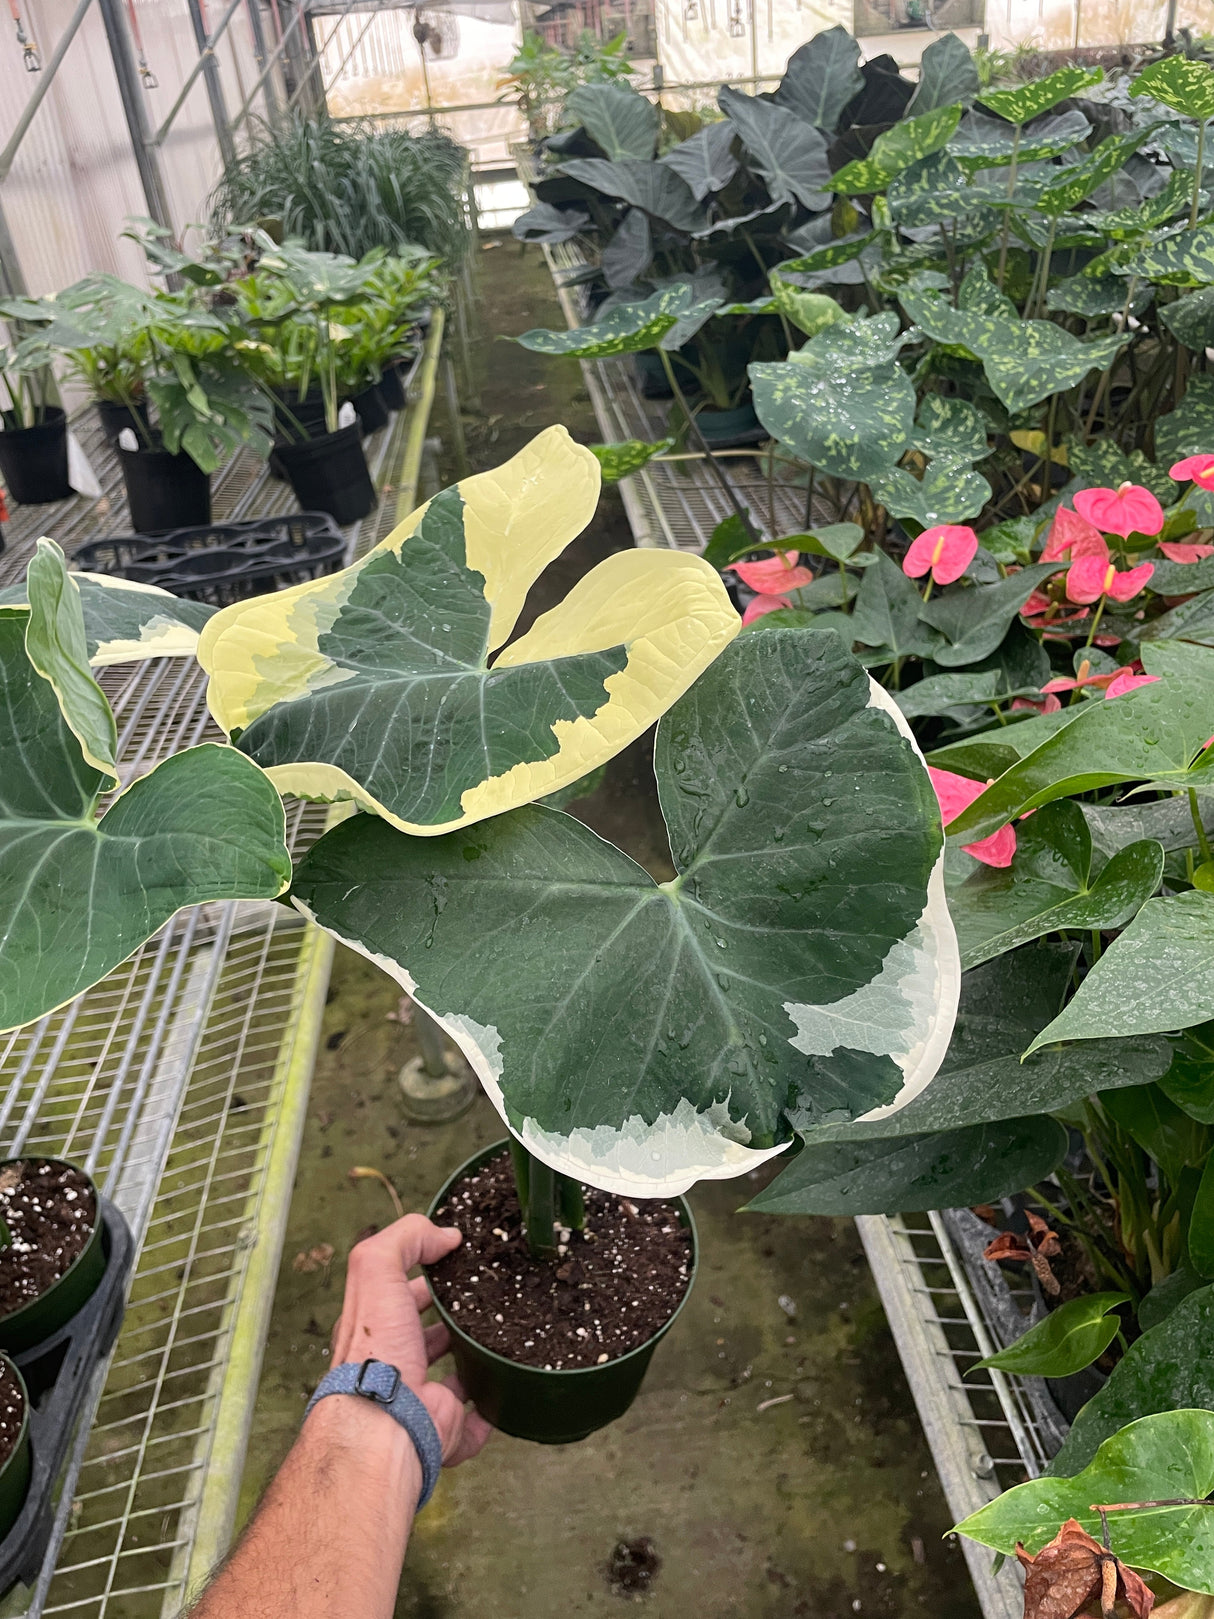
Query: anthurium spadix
x=799 y=969
x=376 y=685
x=79 y=892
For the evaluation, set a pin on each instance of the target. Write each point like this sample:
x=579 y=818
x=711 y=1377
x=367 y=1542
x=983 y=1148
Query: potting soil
x=50 y=1210
x=12 y=1411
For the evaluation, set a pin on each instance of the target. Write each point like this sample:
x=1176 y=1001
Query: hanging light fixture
x=737 y=25
x=691 y=11
x=30 y=59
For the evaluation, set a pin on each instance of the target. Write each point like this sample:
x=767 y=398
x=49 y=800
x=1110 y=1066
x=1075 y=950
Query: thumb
x=417 y=1240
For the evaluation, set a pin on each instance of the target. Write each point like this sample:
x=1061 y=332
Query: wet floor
x=773 y=1465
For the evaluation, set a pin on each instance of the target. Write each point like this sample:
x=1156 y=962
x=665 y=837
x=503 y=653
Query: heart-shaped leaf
x=1079 y=180
x=56 y=645
x=124 y=622
x=787 y=152
x=1191 y=320
x=652 y=186
x=706 y=161
x=1185 y=85
x=947 y=74
x=1183 y=260
x=375 y=684
x=941 y=694
x=931 y=192
x=1028 y=101
x=616 y=117
x=821 y=78
x=952 y=428
x=666 y=319
x=887 y=612
x=985 y=143
x=829 y=256
x=629 y=253
x=1168 y=1457
x=976 y=618
x=1070 y=1337
x=803 y=949
x=948 y=492
x=896 y=149
x=546 y=223
x=1047 y=888
x=1096 y=295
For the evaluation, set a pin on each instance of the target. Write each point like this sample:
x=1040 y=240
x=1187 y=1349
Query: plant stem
x=719 y=472
x=1095 y=946
x=1203 y=842
x=1095 y=621
x=809 y=500
x=572 y=1203
x=1044 y=268
x=1007 y=212
x=1106 y=376
x=430 y=1039
x=1201 y=152
x=537 y=1187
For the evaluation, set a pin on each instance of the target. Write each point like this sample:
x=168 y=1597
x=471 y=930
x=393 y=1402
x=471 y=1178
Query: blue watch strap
x=376 y=1380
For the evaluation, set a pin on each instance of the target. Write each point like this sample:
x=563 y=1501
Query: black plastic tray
x=58 y=1373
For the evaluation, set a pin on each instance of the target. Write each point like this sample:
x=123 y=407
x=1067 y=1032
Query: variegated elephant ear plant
x=800 y=969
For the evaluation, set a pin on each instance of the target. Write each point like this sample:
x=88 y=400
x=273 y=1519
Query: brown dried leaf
x=1071 y=1570
x=1008 y=1245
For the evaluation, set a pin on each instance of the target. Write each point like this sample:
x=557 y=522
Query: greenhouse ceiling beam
x=287 y=33
x=259 y=50
x=205 y=64
x=358 y=39
x=46 y=79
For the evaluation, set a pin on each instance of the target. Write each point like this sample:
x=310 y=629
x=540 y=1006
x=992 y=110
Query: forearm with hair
x=329 y=1538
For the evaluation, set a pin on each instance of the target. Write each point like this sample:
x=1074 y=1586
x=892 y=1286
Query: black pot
x=727 y=429
x=34 y=459
x=392 y=385
x=115 y=416
x=290 y=409
x=551 y=1408
x=164 y=491
x=329 y=474
x=372 y=408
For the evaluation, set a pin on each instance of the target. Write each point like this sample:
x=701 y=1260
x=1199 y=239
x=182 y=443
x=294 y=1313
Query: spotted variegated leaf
x=896 y=149
x=1183 y=260
x=1180 y=83
x=1028 y=101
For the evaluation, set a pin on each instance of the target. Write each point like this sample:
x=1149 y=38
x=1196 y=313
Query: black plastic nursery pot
x=725 y=429
x=392 y=384
x=372 y=408
x=15 y=1467
x=329 y=474
x=52 y=1309
x=557 y=1407
x=33 y=460
x=164 y=490
x=114 y=416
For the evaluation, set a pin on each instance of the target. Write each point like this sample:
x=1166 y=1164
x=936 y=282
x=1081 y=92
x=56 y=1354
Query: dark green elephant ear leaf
x=617 y=117
x=947 y=74
x=804 y=949
x=787 y=152
x=821 y=78
x=79 y=894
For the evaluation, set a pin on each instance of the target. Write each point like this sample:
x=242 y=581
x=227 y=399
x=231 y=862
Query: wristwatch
x=378 y=1381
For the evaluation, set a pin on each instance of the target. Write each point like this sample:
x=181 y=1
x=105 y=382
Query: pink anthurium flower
x=773 y=574
x=1127 y=680
x=1075 y=534
x=1092 y=577
x=1128 y=509
x=956 y=793
x=759 y=605
x=1198 y=468
x=1040 y=705
x=1084 y=677
x=948 y=549
x=1177 y=551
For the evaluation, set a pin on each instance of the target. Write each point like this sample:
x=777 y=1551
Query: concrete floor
x=822 y=1505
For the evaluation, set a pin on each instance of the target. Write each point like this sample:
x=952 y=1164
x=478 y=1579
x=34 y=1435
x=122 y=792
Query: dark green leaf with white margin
x=1048 y=887
x=842 y=403
x=1153 y=732
x=1079 y=180
x=906 y=1174
x=886 y=615
x=1183 y=260
x=651 y=186
x=822 y=76
x=616 y=117
x=976 y=618
x=1070 y=1337
x=1029 y=101
x=947 y=74
x=56 y=645
x=896 y=149
x=800 y=948
x=124 y=622
x=1186 y=86
x=1191 y=320
x=80 y=895
x=706 y=161
x=1169 y=1368
x=788 y=153
x=948 y=492
x=630 y=455
x=1153 y=977
x=1166 y=1457
x=985 y=143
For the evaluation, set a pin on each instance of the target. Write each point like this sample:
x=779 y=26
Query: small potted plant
x=14 y=1444
x=51 y=1253
x=33 y=428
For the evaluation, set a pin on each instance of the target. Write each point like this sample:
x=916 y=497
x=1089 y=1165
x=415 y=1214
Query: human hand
x=380 y=1320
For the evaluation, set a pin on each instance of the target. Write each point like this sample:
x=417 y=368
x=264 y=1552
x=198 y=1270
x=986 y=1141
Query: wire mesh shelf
x=179 y=1082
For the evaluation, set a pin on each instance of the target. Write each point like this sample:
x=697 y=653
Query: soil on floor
x=612 y=1285
x=773 y=1466
x=50 y=1210
x=12 y=1411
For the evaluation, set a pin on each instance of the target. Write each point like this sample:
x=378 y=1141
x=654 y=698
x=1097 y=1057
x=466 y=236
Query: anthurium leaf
x=616 y=117
x=125 y=621
x=1028 y=101
x=896 y=149
x=1189 y=1081
x=947 y=75
x=843 y=403
x=617 y=461
x=80 y=895
x=821 y=78
x=1153 y=977
x=1180 y=83
x=56 y=645
x=1079 y=180
x=1168 y=1134
x=984 y=143
x=983 y=1077
x=1201 y=1221
x=1191 y=319
x=1071 y=1336
x=1154 y=731
x=729 y=540
x=1183 y=260
x=949 y=492
x=374 y=684
x=887 y=613
x=994 y=752
x=655 y=187
x=546 y=223
x=976 y=618
x=904 y=1174
x=787 y=152
x=742 y=986
x=1191 y=620
x=939 y=694
x=1169 y=1456
x=706 y=161
x=837 y=540
x=1046 y=891
x=1169 y=1368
